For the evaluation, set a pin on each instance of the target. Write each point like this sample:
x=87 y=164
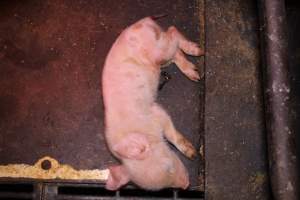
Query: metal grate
x=16 y=191
x=67 y=191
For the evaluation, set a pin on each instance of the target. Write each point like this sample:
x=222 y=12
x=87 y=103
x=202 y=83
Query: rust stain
x=257 y=181
x=55 y=170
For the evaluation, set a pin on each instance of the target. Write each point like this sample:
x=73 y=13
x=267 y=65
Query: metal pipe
x=281 y=138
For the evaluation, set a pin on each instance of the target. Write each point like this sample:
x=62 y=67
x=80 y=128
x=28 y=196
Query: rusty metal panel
x=235 y=140
x=51 y=57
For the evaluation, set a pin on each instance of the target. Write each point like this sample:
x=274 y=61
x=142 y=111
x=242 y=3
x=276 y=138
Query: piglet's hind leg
x=188 y=68
x=189 y=47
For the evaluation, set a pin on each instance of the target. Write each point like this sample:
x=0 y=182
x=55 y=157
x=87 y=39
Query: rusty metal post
x=281 y=138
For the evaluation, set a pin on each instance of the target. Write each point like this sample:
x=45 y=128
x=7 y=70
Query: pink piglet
x=136 y=126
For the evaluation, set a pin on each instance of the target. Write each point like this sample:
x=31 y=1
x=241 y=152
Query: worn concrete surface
x=235 y=140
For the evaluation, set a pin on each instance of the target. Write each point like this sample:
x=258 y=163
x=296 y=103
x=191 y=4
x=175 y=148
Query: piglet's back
x=129 y=84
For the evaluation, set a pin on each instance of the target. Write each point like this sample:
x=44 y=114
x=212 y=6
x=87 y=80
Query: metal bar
x=281 y=141
x=20 y=195
x=38 y=191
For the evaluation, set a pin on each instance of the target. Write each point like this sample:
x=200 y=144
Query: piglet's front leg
x=171 y=134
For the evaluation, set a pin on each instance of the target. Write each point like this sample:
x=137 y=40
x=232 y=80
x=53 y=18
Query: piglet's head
x=134 y=146
x=150 y=166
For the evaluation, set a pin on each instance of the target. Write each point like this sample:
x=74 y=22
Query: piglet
x=136 y=126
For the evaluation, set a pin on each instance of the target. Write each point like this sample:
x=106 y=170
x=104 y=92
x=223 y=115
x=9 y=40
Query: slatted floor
x=67 y=191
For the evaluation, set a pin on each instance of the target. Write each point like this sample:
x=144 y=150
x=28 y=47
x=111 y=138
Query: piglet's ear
x=117 y=177
x=133 y=146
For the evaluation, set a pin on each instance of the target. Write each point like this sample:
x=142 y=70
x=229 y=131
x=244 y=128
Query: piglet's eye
x=171 y=170
x=169 y=167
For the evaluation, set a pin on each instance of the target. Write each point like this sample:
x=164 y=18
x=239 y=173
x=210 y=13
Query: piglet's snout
x=182 y=181
x=181 y=177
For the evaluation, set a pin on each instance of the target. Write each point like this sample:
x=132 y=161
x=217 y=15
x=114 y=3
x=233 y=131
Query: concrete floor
x=51 y=58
